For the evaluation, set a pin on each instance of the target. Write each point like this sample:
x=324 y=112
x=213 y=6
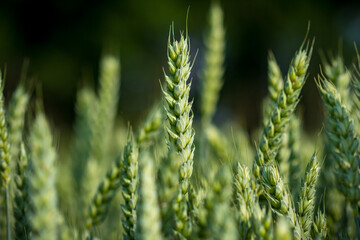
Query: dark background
x=64 y=41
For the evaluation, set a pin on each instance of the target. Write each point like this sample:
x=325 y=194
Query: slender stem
x=8 y=224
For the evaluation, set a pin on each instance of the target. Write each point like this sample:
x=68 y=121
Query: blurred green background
x=65 y=39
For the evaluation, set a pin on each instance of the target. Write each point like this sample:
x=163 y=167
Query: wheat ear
x=177 y=105
x=319 y=226
x=21 y=199
x=307 y=196
x=5 y=145
x=211 y=78
x=42 y=179
x=275 y=85
x=148 y=226
x=16 y=119
x=216 y=219
x=129 y=181
x=265 y=168
x=344 y=142
x=252 y=220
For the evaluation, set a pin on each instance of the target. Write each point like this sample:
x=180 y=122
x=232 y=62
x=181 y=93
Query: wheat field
x=181 y=176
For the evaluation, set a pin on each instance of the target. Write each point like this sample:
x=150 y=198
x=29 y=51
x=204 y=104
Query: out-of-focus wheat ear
x=337 y=73
x=123 y=173
x=151 y=126
x=177 y=105
x=108 y=95
x=306 y=203
x=283 y=229
x=294 y=145
x=319 y=227
x=21 y=199
x=101 y=129
x=86 y=112
x=213 y=70
x=218 y=143
x=262 y=222
x=343 y=141
x=42 y=181
x=244 y=199
x=168 y=185
x=16 y=118
x=183 y=225
x=217 y=220
x=148 y=226
x=275 y=85
x=196 y=202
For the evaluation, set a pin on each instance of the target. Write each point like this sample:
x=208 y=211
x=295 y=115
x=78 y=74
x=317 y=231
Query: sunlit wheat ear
x=344 y=142
x=265 y=169
x=42 y=176
x=148 y=226
x=283 y=111
x=306 y=204
x=212 y=74
x=177 y=105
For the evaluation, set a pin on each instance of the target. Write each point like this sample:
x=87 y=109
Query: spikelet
x=178 y=107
